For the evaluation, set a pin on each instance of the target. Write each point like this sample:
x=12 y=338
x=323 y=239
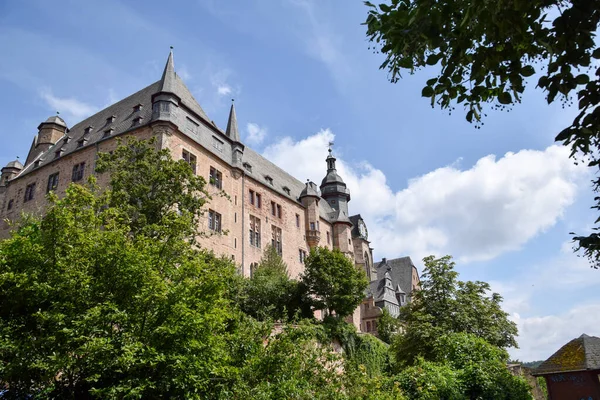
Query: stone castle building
x=266 y=205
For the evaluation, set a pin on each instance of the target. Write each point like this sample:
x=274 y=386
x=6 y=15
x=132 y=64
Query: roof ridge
x=112 y=105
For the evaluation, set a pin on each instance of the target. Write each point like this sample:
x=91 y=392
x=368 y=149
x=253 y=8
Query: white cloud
x=255 y=134
x=493 y=207
x=536 y=299
x=70 y=107
x=224 y=90
x=540 y=337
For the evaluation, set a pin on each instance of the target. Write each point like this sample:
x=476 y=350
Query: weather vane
x=330 y=145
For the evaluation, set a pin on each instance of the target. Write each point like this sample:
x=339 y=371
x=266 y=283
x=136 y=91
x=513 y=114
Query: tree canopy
x=336 y=284
x=107 y=298
x=446 y=305
x=484 y=52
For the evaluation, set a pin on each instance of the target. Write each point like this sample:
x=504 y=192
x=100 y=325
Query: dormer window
x=138 y=107
x=269 y=179
x=137 y=121
x=247 y=166
x=108 y=133
x=110 y=119
x=81 y=142
x=286 y=190
x=58 y=153
x=36 y=163
x=67 y=139
x=88 y=130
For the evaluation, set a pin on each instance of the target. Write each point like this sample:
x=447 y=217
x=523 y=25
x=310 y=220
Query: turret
x=165 y=101
x=310 y=200
x=11 y=170
x=233 y=133
x=49 y=132
x=335 y=192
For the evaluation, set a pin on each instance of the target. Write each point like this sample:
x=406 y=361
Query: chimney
x=383 y=260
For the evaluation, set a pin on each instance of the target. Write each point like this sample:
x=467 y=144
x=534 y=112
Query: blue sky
x=302 y=73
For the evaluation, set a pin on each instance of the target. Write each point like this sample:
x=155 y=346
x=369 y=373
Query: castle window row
x=214 y=221
x=254 y=231
x=255 y=198
x=216 y=178
x=302 y=255
x=52 y=182
x=276 y=239
x=190 y=159
x=276 y=209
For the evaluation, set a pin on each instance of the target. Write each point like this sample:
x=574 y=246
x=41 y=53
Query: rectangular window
x=10 y=204
x=251 y=196
x=254 y=231
x=190 y=159
x=216 y=178
x=217 y=144
x=276 y=239
x=273 y=209
x=328 y=237
x=258 y=200
x=312 y=226
x=214 y=221
x=78 y=170
x=52 y=182
x=278 y=211
x=29 y=192
x=297 y=221
x=191 y=125
x=302 y=255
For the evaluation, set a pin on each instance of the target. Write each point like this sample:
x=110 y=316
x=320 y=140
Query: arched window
x=367 y=265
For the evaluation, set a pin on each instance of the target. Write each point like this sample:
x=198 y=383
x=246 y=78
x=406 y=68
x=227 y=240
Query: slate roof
x=124 y=114
x=261 y=168
x=401 y=272
x=580 y=354
x=377 y=290
x=232 y=126
x=14 y=164
x=354 y=219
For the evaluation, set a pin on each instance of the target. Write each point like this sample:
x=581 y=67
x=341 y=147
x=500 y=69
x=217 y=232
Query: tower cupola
x=334 y=190
x=49 y=132
x=11 y=170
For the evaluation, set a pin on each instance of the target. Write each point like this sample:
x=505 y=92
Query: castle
x=266 y=205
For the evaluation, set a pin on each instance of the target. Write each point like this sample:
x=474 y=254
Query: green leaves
x=427 y=91
x=504 y=98
x=485 y=50
x=527 y=70
x=336 y=284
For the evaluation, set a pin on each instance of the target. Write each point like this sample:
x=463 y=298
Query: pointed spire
x=232 y=126
x=167 y=82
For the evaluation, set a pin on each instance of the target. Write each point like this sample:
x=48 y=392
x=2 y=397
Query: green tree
x=462 y=366
x=103 y=299
x=158 y=195
x=485 y=51
x=446 y=305
x=270 y=294
x=336 y=285
x=387 y=326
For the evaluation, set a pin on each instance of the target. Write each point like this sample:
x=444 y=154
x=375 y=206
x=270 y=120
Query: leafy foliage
x=336 y=284
x=160 y=196
x=446 y=305
x=88 y=308
x=387 y=326
x=270 y=294
x=486 y=50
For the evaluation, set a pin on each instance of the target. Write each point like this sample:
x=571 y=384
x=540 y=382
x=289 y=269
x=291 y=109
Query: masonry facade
x=265 y=205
